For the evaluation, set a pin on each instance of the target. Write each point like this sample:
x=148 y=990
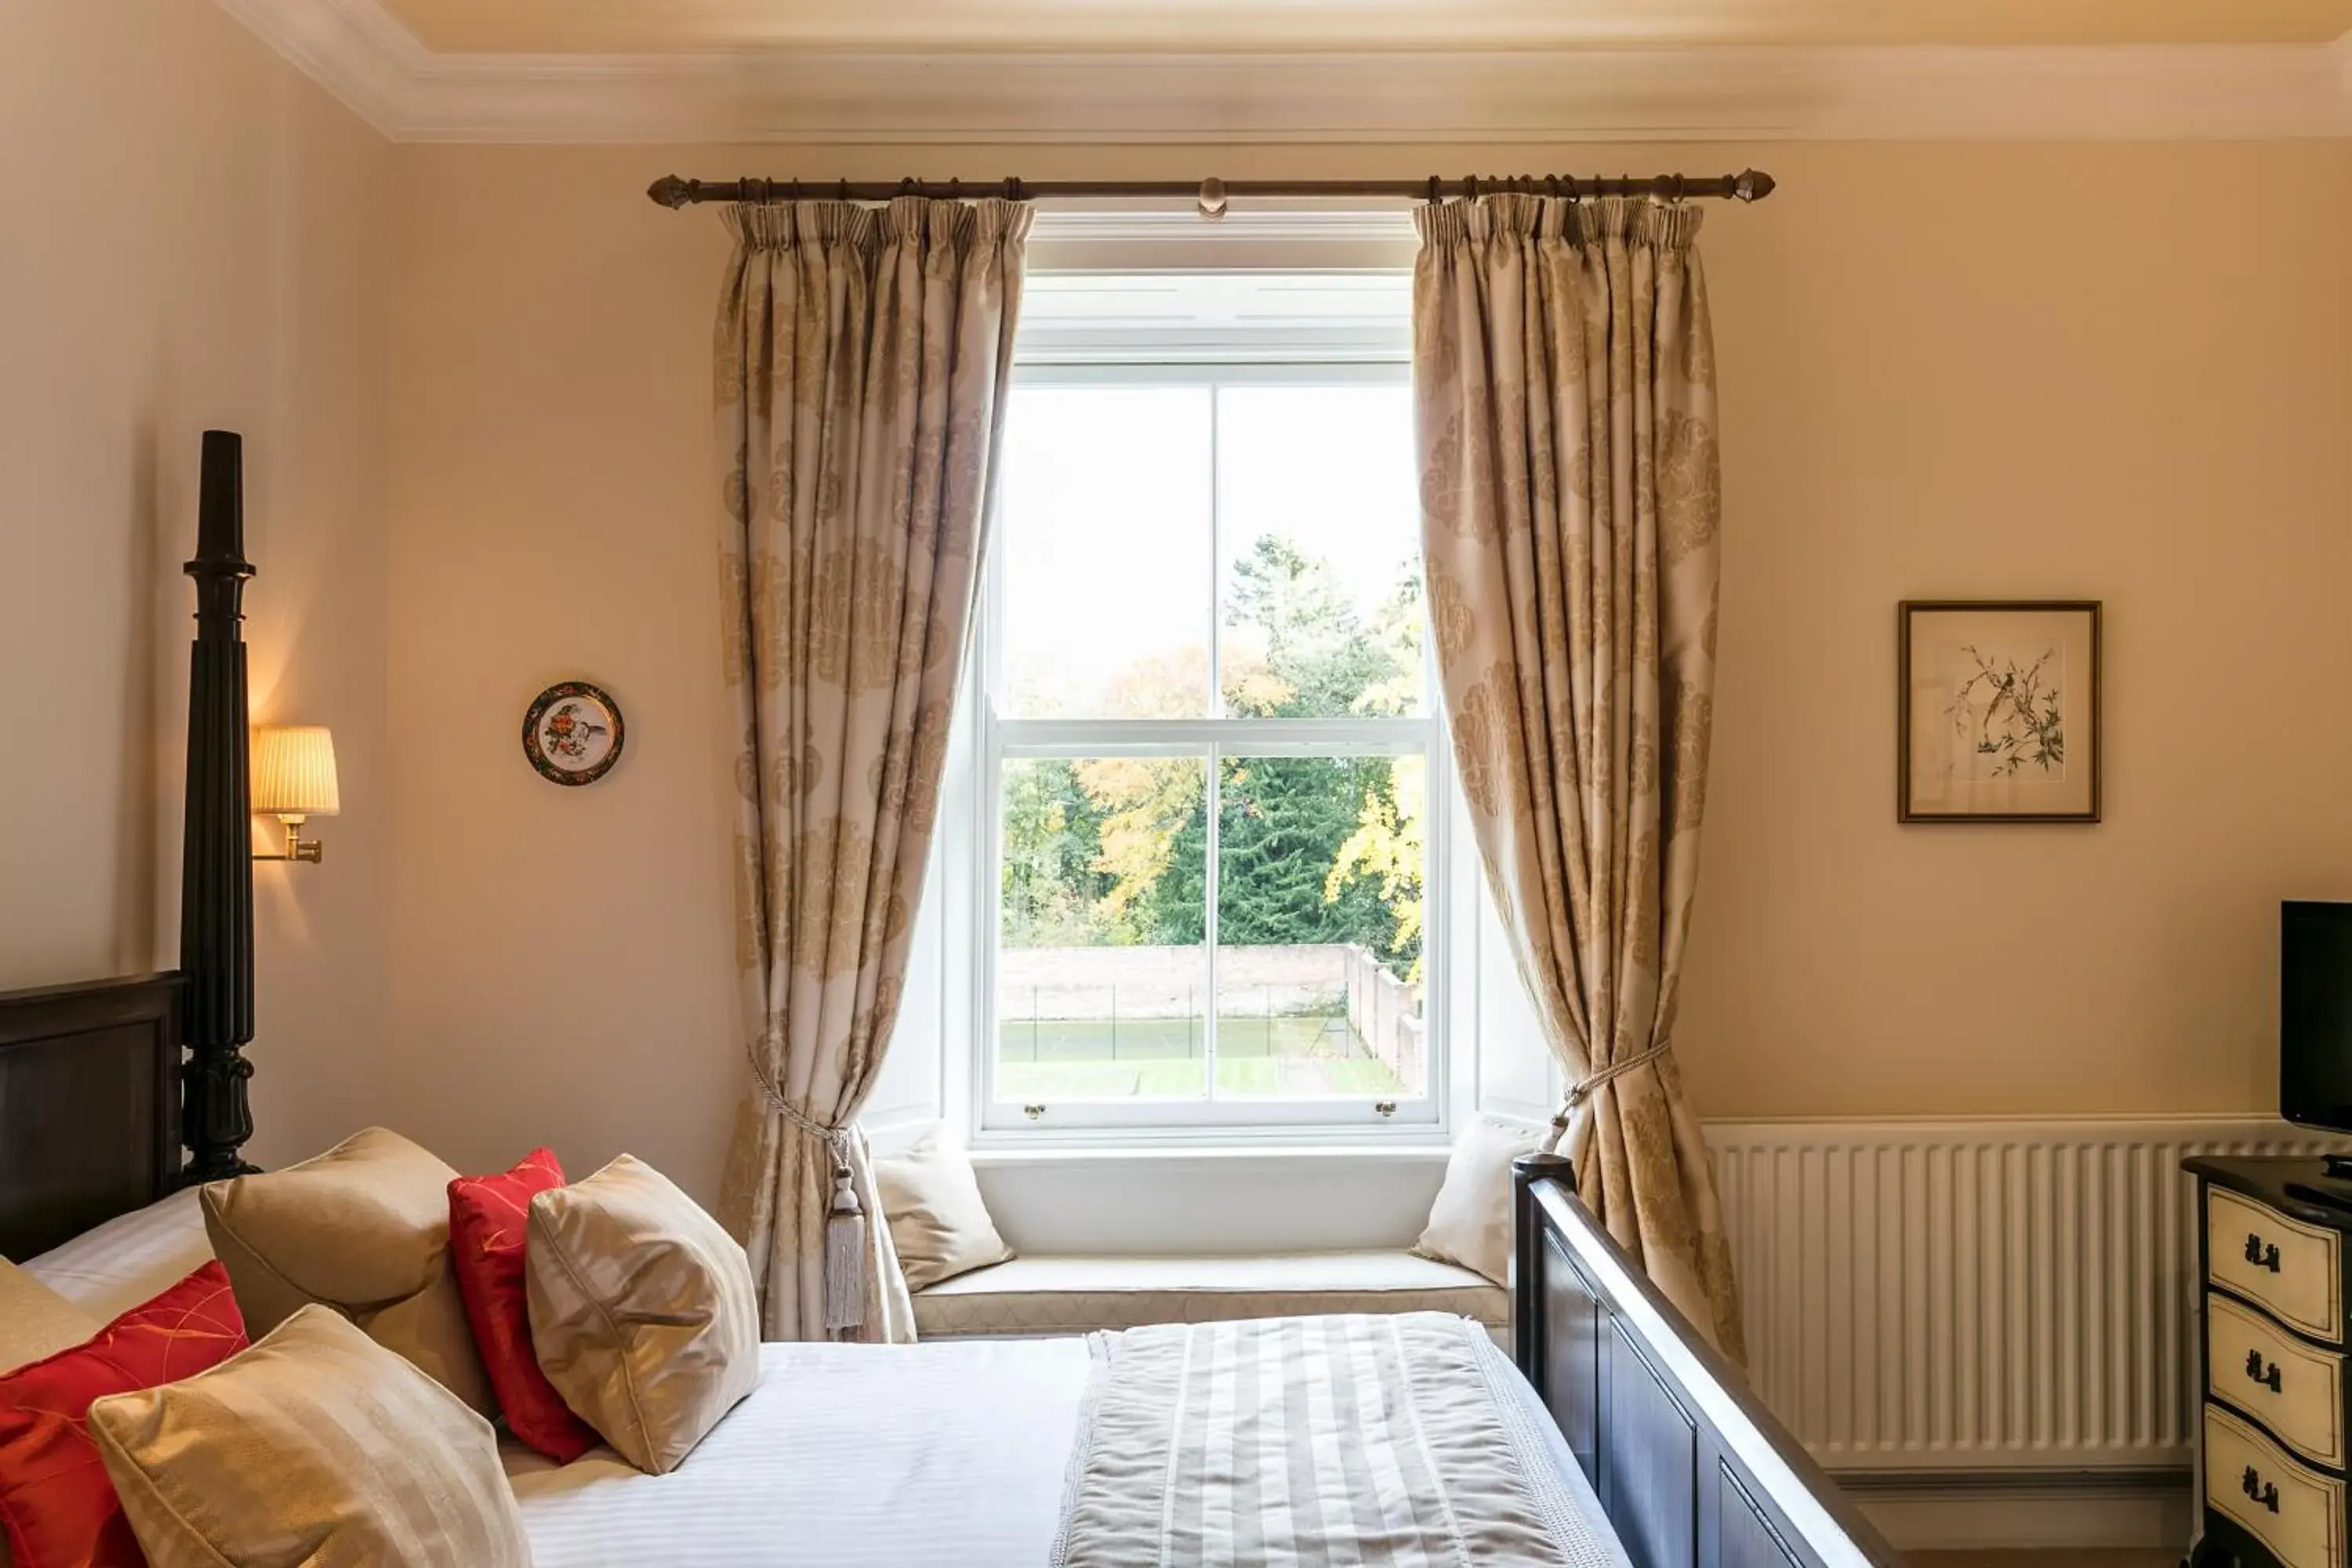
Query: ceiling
x=655 y=27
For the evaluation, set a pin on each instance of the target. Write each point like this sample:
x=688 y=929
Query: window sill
x=1309 y=1125
x=1020 y=1153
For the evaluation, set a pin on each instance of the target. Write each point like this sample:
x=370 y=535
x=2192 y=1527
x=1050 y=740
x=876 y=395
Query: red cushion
x=487 y=1217
x=55 y=1497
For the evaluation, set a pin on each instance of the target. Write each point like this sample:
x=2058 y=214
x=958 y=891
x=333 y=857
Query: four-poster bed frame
x=101 y=1083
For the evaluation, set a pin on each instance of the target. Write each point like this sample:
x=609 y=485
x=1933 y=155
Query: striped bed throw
x=1385 y=1441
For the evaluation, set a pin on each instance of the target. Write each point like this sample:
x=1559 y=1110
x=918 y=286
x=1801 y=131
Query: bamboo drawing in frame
x=1998 y=711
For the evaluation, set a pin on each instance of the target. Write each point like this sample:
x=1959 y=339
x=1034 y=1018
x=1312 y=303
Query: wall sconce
x=294 y=780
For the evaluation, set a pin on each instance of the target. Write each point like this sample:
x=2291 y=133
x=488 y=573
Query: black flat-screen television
x=2315 y=1014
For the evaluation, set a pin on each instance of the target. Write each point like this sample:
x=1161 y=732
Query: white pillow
x=1470 y=1223
x=938 y=1221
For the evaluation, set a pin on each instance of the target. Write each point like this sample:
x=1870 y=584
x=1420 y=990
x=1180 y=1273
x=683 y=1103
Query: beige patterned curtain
x=861 y=360
x=1564 y=374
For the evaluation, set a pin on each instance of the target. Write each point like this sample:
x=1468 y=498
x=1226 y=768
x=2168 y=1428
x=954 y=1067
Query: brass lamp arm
x=297 y=847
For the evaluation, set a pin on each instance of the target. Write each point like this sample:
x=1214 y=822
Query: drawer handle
x=2261 y=1491
x=2260 y=1256
x=2270 y=1379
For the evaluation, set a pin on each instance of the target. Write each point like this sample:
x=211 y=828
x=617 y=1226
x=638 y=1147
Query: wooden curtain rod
x=1752 y=185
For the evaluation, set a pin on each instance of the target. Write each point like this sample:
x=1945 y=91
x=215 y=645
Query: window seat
x=1072 y=1295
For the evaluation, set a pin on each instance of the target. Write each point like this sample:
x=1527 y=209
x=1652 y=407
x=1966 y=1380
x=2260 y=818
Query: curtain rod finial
x=671 y=192
x=1751 y=185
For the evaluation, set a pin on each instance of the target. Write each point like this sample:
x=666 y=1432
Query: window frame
x=1422 y=1119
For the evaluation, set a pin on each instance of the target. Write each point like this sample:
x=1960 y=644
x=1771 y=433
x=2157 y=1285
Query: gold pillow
x=364 y=1228
x=1470 y=1223
x=940 y=1224
x=641 y=1310
x=317 y=1448
x=35 y=1323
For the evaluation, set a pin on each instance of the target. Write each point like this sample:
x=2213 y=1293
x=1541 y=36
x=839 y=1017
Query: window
x=1206 y=731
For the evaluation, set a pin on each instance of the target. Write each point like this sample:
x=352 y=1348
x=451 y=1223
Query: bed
x=852 y=1456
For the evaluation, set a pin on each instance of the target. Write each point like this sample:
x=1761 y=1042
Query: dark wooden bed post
x=1526 y=1261
x=216 y=864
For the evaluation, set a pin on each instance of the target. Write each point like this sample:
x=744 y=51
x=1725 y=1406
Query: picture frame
x=1999 y=710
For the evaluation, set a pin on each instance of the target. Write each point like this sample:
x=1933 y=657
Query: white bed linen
x=843 y=1457
x=131 y=1259
x=955 y=1452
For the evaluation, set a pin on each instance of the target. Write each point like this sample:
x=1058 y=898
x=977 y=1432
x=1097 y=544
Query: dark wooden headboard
x=90 y=1106
x=1692 y=1471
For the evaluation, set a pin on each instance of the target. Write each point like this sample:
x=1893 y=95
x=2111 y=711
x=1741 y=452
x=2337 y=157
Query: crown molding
x=353 y=48
x=365 y=57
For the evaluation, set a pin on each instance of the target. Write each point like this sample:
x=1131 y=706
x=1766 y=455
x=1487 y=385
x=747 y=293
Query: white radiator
x=1976 y=1295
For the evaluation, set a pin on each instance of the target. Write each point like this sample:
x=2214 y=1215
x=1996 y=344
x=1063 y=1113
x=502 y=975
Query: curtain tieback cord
x=845 y=1223
x=1591 y=1083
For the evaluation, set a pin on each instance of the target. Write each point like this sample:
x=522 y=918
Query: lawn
x=1049 y=1059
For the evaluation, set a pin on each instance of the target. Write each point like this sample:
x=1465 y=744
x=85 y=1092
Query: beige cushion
x=1470 y=1223
x=641 y=1310
x=938 y=1222
x=316 y=1448
x=364 y=1228
x=35 y=1323
x=1076 y=1295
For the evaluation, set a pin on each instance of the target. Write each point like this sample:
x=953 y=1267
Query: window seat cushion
x=1072 y=1295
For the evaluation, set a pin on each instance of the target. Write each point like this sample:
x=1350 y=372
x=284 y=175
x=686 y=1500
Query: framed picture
x=1998 y=704
x=573 y=733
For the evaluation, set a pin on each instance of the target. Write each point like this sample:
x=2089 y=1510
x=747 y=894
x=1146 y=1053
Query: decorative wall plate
x=573 y=733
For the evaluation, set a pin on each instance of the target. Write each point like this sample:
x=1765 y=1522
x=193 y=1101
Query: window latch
x=1384 y=1108
x=1032 y=1112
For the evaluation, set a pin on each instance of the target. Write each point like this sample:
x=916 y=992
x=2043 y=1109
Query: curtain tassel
x=845 y=1256
x=845 y=1220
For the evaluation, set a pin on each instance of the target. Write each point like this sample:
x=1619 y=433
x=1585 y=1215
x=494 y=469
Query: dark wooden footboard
x=1692 y=1468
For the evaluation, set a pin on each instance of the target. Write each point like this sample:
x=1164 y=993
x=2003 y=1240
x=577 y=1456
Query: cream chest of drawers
x=2273 y=1442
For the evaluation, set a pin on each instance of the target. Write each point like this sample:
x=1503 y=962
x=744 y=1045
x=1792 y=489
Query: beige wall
x=196 y=238
x=2116 y=373
x=561 y=957
x=2122 y=371
x=473 y=386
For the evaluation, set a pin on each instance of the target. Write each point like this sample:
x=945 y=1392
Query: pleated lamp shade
x=294 y=771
